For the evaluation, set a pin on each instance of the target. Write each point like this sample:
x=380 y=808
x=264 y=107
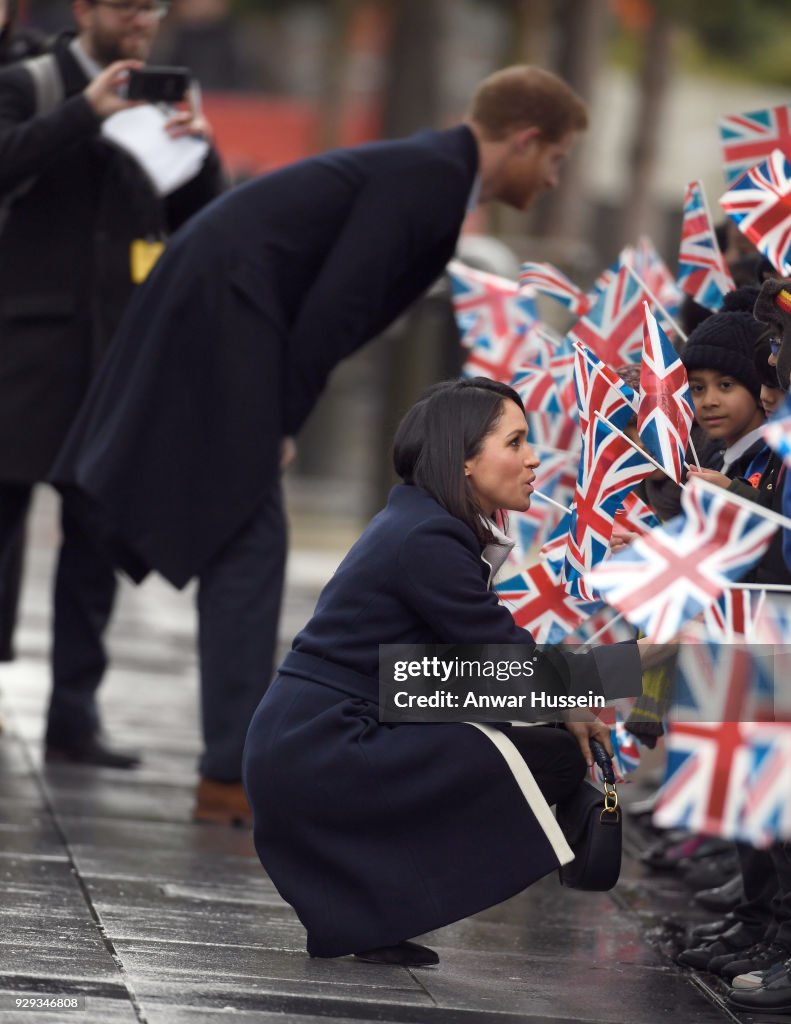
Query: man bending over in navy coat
x=225 y=350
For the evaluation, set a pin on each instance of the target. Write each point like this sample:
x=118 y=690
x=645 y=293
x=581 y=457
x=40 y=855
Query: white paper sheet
x=169 y=163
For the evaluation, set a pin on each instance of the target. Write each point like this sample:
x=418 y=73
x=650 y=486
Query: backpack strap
x=49 y=94
x=47 y=82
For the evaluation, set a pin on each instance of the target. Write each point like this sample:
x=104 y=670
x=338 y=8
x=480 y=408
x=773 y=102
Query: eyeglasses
x=129 y=9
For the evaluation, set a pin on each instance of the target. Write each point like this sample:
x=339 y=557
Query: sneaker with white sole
x=754 y=979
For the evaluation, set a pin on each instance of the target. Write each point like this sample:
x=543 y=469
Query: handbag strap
x=604 y=761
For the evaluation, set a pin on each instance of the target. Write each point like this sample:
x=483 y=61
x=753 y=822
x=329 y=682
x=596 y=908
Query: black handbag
x=591 y=823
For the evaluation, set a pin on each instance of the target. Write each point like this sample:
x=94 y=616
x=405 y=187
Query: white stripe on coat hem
x=532 y=794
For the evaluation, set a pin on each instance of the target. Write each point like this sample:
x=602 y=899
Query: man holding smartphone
x=80 y=225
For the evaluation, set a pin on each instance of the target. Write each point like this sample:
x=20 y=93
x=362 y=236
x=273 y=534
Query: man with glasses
x=80 y=225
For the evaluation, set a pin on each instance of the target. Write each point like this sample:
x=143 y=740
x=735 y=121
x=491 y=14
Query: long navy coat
x=229 y=343
x=379 y=832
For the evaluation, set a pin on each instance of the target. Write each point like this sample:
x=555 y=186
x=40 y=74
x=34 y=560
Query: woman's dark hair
x=444 y=429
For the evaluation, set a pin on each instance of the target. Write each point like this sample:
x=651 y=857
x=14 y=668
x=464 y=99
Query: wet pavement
x=110 y=896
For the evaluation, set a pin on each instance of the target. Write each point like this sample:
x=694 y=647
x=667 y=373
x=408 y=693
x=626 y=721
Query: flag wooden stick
x=648 y=312
x=655 y=302
x=637 y=448
x=587 y=356
x=694 y=453
x=775 y=588
x=760 y=605
x=607 y=625
x=551 y=501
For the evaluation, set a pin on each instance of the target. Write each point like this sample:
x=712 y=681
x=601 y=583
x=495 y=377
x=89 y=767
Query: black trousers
x=767 y=892
x=239 y=597
x=85 y=587
x=781 y=904
x=760 y=889
x=553 y=757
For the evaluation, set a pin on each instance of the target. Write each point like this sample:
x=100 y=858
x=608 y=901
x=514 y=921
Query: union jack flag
x=561 y=366
x=771 y=632
x=626 y=753
x=767 y=809
x=546 y=430
x=777 y=431
x=493 y=319
x=607 y=627
x=626 y=258
x=638 y=514
x=553 y=550
x=555 y=429
x=537 y=389
x=705 y=776
x=547 y=279
x=609 y=468
x=702 y=272
x=666 y=412
x=748 y=138
x=718 y=681
x=653 y=271
x=613 y=327
x=541 y=345
x=760 y=204
x=719 y=708
x=732 y=616
x=539 y=603
x=673 y=573
x=772 y=623
x=600 y=389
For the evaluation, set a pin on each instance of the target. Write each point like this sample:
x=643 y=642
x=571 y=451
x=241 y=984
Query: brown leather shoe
x=223 y=803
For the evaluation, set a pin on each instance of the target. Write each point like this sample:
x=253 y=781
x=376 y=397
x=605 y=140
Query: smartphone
x=158 y=84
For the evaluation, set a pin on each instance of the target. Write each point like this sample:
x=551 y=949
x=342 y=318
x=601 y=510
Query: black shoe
x=722 y=898
x=405 y=954
x=719 y=963
x=735 y=939
x=711 y=929
x=90 y=750
x=774 y=996
x=765 y=957
x=709 y=872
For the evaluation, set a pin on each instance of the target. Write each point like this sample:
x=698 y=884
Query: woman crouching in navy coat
x=375 y=832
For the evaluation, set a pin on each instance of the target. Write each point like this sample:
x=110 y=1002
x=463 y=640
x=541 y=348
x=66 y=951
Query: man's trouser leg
x=14 y=506
x=85 y=586
x=239 y=599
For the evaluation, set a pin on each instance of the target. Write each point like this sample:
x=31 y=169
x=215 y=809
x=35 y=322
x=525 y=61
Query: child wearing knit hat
x=726 y=389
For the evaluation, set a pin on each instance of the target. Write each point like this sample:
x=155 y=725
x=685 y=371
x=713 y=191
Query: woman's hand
x=587 y=729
